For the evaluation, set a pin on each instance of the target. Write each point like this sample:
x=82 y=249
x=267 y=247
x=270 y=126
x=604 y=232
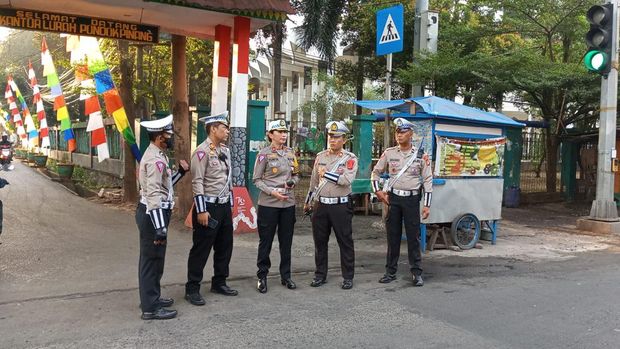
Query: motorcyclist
x=5 y=143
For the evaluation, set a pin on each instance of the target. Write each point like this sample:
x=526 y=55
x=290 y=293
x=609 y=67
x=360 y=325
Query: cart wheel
x=465 y=231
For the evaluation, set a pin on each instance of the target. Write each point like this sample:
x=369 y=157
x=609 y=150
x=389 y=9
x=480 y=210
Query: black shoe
x=162 y=302
x=417 y=281
x=262 y=285
x=225 y=290
x=195 y=298
x=347 y=284
x=387 y=278
x=165 y=302
x=289 y=284
x=159 y=314
x=316 y=282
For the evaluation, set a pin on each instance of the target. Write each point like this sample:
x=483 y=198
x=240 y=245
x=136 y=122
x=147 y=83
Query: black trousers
x=204 y=239
x=152 y=257
x=339 y=217
x=270 y=218
x=405 y=209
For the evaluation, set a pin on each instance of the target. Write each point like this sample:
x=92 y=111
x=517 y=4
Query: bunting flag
x=16 y=117
x=62 y=113
x=31 y=129
x=104 y=85
x=6 y=117
x=78 y=46
x=38 y=104
x=95 y=120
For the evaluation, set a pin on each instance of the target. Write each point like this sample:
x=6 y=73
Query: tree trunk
x=130 y=187
x=552 y=141
x=180 y=109
x=193 y=92
x=277 y=67
x=142 y=102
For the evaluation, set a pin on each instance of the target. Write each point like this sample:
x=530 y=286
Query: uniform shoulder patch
x=160 y=166
x=200 y=154
x=261 y=157
x=350 y=164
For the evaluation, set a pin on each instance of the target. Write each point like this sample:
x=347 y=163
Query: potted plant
x=65 y=170
x=19 y=153
x=30 y=156
x=40 y=160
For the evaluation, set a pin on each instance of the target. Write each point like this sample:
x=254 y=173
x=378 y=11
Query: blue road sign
x=390 y=30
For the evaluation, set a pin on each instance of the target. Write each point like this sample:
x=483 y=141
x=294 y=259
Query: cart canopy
x=438 y=108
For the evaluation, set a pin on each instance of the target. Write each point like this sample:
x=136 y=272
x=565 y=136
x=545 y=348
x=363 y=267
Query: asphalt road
x=68 y=278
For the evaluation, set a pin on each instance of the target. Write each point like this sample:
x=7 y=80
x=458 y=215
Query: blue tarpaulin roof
x=440 y=108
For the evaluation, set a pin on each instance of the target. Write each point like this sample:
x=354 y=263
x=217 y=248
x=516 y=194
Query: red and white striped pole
x=221 y=69
x=241 y=64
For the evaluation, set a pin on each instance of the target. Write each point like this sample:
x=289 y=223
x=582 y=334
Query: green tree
x=527 y=49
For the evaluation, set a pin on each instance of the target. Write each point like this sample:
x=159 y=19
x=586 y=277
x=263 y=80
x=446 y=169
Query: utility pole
x=420 y=35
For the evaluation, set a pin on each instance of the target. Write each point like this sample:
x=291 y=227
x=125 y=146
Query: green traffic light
x=596 y=60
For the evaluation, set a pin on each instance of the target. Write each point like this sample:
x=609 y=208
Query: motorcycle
x=6 y=156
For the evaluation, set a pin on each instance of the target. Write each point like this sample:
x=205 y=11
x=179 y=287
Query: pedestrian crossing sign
x=390 y=30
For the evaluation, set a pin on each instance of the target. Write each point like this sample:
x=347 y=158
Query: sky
x=4 y=32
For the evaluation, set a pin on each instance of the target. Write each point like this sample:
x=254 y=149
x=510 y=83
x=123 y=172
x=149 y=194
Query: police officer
x=403 y=197
x=276 y=173
x=153 y=216
x=330 y=187
x=212 y=214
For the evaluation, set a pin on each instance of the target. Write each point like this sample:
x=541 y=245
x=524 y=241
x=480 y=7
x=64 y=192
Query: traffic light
x=599 y=38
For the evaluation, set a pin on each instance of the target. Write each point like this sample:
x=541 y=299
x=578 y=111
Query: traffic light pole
x=603 y=207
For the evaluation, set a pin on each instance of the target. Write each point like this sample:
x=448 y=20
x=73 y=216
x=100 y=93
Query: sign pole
x=390 y=29
x=388 y=96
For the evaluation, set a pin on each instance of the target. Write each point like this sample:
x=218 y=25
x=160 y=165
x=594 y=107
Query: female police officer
x=275 y=174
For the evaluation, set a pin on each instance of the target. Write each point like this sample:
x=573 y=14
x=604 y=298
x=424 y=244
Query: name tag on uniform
x=415 y=169
x=340 y=169
x=214 y=161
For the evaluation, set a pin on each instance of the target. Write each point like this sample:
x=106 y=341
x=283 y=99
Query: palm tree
x=319 y=29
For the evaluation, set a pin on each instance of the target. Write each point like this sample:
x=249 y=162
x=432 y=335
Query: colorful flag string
x=104 y=85
x=40 y=110
x=15 y=115
x=31 y=130
x=53 y=82
x=78 y=46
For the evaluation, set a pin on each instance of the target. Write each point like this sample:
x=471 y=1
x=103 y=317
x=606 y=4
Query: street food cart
x=467 y=147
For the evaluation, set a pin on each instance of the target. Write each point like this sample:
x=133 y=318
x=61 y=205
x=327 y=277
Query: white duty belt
x=166 y=205
x=334 y=201
x=217 y=200
x=404 y=192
